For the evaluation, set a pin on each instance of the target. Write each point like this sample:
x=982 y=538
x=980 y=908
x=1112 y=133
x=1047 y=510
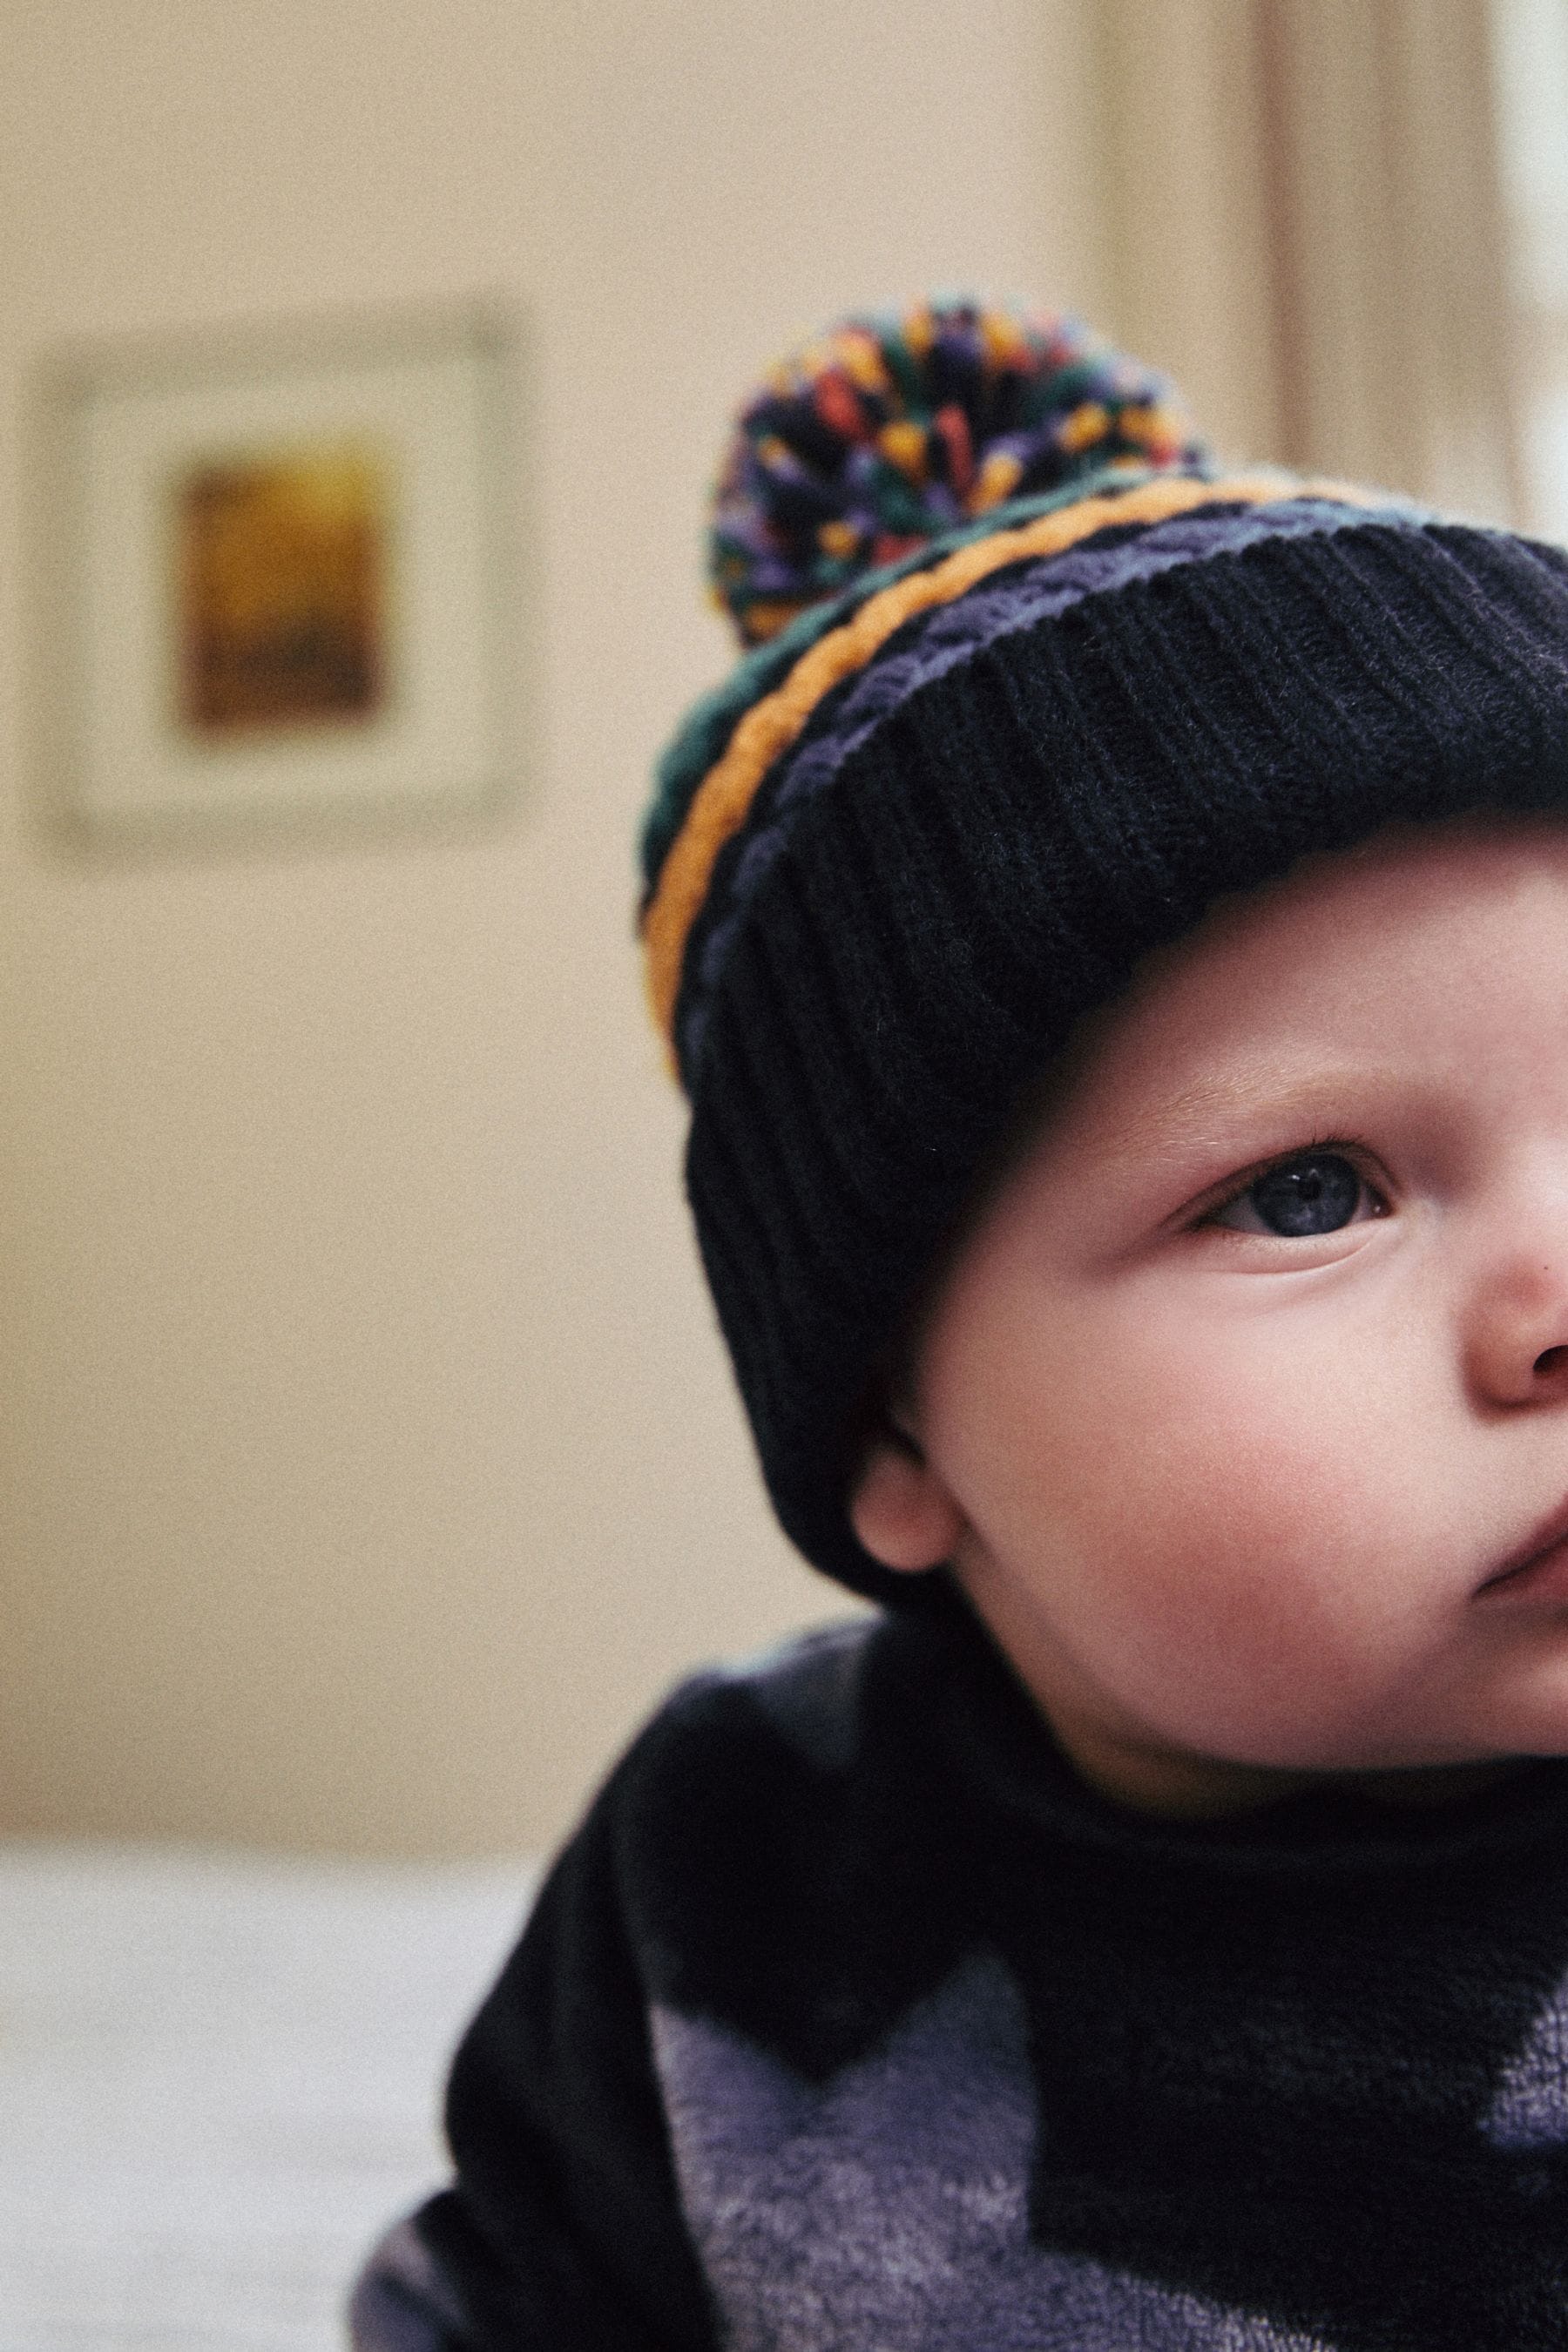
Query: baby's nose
x=1517 y=1336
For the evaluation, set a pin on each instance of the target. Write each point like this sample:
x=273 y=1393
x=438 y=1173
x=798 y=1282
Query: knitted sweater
x=851 y=2018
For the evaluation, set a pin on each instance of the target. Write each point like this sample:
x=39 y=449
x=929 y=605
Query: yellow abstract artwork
x=281 y=581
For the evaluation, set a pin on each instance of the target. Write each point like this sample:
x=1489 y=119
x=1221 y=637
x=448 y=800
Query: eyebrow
x=1247 y=1092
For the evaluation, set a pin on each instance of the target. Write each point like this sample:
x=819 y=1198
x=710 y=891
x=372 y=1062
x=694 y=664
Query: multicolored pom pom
x=889 y=432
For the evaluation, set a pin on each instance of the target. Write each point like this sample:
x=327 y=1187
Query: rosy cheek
x=1223 y=1479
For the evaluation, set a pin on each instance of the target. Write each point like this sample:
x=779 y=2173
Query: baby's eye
x=1313 y=1192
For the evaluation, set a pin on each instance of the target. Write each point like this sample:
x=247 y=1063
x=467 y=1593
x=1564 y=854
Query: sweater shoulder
x=782 y=1847
x=763 y=1764
x=806 y=1691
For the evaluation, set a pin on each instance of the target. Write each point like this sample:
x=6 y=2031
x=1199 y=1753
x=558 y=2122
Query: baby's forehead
x=1332 y=974
x=1400 y=872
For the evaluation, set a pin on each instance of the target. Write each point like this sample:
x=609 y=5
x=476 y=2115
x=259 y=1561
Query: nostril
x=1552 y=1360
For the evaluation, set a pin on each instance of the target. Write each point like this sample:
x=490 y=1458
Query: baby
x=1112 y=929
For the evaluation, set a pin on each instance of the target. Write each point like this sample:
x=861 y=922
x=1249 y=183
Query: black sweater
x=852 y=2019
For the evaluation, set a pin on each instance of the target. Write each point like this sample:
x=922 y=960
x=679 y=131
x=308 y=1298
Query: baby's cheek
x=1241 y=1550
x=1229 y=1639
x=1249 y=1427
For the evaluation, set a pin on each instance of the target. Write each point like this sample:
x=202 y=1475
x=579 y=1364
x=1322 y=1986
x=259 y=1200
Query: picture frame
x=279 y=594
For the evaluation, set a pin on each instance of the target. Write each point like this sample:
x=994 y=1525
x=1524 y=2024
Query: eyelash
x=1348 y=1147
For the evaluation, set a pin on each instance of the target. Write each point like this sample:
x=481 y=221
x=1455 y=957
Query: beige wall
x=367 y=1459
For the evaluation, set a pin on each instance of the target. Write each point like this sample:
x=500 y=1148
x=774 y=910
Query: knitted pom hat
x=1034 y=681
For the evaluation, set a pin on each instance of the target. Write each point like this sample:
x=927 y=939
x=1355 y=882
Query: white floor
x=219 y=2079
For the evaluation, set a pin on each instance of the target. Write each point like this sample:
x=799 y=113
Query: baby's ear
x=899 y=1508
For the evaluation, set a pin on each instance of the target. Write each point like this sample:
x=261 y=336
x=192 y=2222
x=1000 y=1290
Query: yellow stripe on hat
x=720 y=803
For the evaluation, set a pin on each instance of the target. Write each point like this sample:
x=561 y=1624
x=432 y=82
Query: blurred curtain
x=1533 y=93
x=1303 y=221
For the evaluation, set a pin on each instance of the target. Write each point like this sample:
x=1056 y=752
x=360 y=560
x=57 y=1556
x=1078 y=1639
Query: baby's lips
x=1542 y=1557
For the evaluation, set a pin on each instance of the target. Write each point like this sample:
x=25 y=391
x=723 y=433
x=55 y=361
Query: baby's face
x=1252 y=1382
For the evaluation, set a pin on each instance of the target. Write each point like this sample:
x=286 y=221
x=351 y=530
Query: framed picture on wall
x=277 y=586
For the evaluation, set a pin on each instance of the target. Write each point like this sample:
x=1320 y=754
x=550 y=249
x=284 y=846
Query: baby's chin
x=1187 y=1782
